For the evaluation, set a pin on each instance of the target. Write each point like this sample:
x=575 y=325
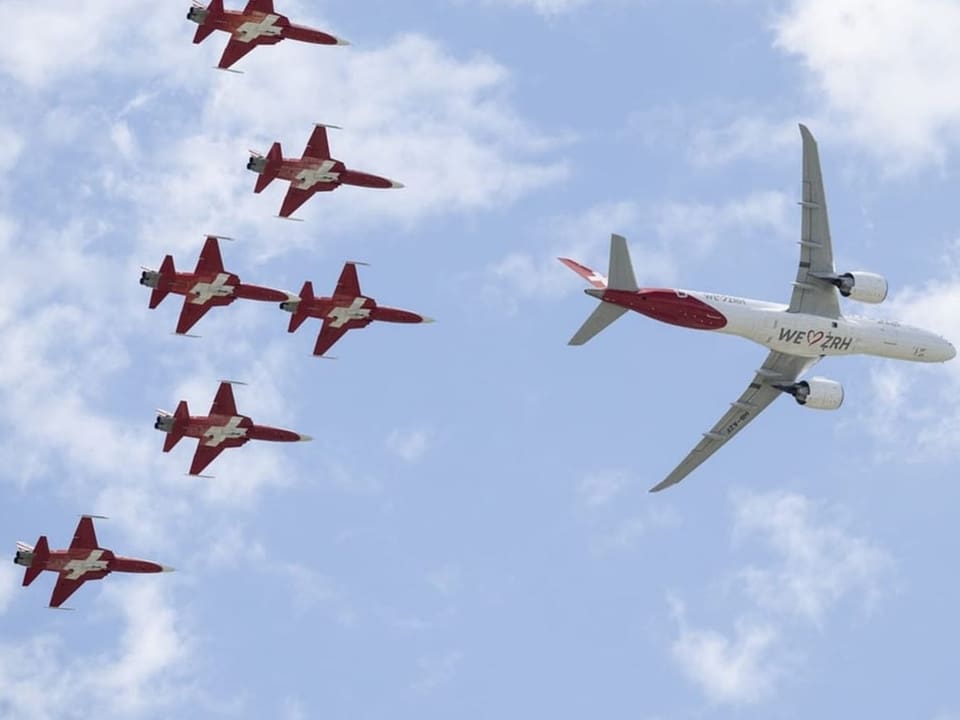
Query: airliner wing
x=778 y=368
x=811 y=294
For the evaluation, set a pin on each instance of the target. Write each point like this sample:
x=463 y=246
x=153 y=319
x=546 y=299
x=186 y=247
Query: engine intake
x=816 y=393
x=859 y=285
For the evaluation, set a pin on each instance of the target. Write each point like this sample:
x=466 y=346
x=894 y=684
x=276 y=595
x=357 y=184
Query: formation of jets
x=797 y=334
x=210 y=285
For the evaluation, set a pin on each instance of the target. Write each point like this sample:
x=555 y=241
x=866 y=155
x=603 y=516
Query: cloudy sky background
x=469 y=535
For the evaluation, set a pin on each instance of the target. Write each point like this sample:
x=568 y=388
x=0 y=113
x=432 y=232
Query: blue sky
x=470 y=534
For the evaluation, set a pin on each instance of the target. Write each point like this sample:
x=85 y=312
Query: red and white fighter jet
x=257 y=24
x=347 y=309
x=223 y=428
x=315 y=172
x=797 y=335
x=83 y=560
x=209 y=285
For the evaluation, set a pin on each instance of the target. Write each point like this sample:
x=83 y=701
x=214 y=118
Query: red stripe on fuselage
x=669 y=306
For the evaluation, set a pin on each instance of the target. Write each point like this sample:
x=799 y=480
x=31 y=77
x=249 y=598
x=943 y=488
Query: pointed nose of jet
x=395 y=184
x=341 y=41
x=304 y=438
x=166 y=568
x=425 y=319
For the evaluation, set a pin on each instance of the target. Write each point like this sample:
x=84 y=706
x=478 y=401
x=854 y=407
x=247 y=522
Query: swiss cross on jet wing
x=257 y=24
x=315 y=171
x=208 y=286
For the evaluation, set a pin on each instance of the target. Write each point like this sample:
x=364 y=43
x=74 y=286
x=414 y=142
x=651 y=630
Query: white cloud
x=9 y=585
x=886 y=68
x=600 y=487
x=410 y=445
x=817 y=561
x=682 y=232
x=739 y=669
x=435 y=671
x=904 y=416
x=147 y=674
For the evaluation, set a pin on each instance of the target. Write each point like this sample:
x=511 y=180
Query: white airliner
x=798 y=334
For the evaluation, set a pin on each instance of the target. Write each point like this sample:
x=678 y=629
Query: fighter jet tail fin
x=167 y=272
x=300 y=314
x=271 y=167
x=177 y=426
x=41 y=553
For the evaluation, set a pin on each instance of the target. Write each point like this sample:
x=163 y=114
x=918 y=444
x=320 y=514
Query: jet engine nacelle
x=164 y=423
x=866 y=287
x=816 y=393
x=23 y=557
x=257 y=163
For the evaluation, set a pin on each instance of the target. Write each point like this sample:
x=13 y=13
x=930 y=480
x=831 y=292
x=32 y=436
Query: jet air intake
x=816 y=393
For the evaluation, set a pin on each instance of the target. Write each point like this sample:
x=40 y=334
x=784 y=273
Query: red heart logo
x=814 y=337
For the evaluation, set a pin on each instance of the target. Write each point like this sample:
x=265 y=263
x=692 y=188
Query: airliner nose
x=951 y=351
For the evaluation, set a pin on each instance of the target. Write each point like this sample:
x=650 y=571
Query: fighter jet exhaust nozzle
x=257 y=163
x=150 y=278
x=164 y=423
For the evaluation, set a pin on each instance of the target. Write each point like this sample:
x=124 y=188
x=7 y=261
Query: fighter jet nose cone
x=425 y=319
x=166 y=568
x=305 y=438
x=341 y=41
x=395 y=184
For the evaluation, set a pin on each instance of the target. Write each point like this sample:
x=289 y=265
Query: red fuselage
x=235 y=22
x=65 y=560
x=669 y=306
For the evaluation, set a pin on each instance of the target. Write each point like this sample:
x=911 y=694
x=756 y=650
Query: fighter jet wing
x=329 y=334
x=348 y=283
x=264 y=6
x=223 y=403
x=210 y=261
x=318 y=146
x=296 y=197
x=778 y=368
x=812 y=294
x=235 y=50
x=84 y=537
x=190 y=315
x=64 y=589
x=204 y=456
